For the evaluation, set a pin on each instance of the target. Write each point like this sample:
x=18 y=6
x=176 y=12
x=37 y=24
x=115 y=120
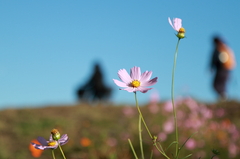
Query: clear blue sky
x=47 y=48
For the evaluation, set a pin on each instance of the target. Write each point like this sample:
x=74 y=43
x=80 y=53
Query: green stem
x=141 y=117
x=140 y=135
x=172 y=94
x=162 y=152
x=130 y=143
x=61 y=150
x=140 y=113
x=53 y=155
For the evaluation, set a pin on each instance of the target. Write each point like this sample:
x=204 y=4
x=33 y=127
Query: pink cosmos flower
x=176 y=23
x=135 y=81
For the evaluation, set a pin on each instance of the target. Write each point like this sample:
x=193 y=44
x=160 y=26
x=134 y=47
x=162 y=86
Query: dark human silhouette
x=94 y=89
x=221 y=64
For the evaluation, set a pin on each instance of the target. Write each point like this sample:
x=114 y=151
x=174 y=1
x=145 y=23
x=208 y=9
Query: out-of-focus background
x=48 y=48
x=58 y=58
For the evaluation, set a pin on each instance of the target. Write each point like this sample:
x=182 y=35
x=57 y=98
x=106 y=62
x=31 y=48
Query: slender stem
x=140 y=113
x=162 y=152
x=61 y=151
x=140 y=136
x=172 y=94
x=141 y=117
x=130 y=143
x=53 y=155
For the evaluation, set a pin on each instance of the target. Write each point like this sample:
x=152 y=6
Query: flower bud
x=181 y=33
x=55 y=134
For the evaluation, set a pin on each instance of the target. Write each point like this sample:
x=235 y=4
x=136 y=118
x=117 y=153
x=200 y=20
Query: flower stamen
x=135 y=83
x=52 y=143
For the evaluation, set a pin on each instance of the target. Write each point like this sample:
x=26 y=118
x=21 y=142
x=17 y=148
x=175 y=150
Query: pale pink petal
x=177 y=23
x=135 y=73
x=146 y=76
x=143 y=89
x=119 y=83
x=130 y=89
x=124 y=76
x=170 y=22
x=149 y=83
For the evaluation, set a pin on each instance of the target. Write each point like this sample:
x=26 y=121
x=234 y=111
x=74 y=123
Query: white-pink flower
x=135 y=81
x=176 y=23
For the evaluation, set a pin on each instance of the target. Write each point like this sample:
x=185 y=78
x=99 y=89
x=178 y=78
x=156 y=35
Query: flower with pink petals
x=51 y=144
x=176 y=24
x=135 y=81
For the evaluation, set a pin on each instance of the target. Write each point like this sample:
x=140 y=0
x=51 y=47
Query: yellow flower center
x=181 y=30
x=53 y=143
x=135 y=83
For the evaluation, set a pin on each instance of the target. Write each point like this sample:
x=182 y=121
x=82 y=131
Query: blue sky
x=48 y=47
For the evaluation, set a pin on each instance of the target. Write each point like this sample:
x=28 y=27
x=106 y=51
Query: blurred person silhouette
x=94 y=89
x=221 y=64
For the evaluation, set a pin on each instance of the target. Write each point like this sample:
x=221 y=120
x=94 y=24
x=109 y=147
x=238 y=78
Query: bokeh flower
x=135 y=81
x=176 y=24
x=191 y=144
x=51 y=144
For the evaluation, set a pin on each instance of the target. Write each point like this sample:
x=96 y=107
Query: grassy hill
x=102 y=132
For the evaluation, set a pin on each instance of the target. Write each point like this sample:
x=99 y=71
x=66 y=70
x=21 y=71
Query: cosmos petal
x=119 y=83
x=135 y=73
x=177 y=23
x=170 y=22
x=42 y=141
x=130 y=89
x=149 y=83
x=143 y=89
x=64 y=139
x=146 y=76
x=124 y=76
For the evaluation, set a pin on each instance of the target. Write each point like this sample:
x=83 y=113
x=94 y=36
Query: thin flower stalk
x=53 y=155
x=141 y=117
x=134 y=153
x=140 y=113
x=172 y=95
x=61 y=151
x=140 y=135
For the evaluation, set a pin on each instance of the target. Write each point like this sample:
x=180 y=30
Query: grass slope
x=105 y=130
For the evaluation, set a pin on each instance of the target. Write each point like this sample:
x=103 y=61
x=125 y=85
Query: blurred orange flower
x=85 y=142
x=35 y=152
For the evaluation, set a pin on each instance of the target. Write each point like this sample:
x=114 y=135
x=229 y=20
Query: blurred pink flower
x=220 y=112
x=112 y=142
x=135 y=81
x=206 y=113
x=153 y=105
x=153 y=108
x=168 y=126
x=128 y=111
x=168 y=106
x=162 y=136
x=233 y=150
x=154 y=97
x=191 y=144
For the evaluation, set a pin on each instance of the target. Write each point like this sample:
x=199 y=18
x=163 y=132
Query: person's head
x=217 y=40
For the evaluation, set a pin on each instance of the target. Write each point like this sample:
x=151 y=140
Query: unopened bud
x=181 y=33
x=55 y=134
